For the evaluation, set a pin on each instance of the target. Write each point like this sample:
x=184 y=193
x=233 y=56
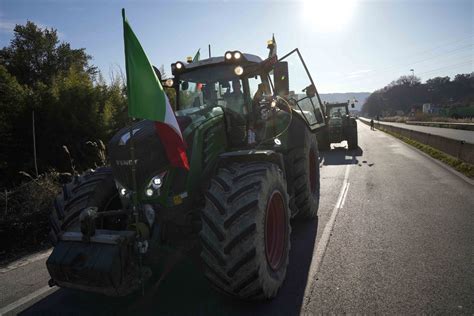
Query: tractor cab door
x=293 y=81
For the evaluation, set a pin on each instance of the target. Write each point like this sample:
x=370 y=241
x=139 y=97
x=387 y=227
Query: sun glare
x=328 y=15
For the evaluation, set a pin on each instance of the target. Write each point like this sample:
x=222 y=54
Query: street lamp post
x=412 y=75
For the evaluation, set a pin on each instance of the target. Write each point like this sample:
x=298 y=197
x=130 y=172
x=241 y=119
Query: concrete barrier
x=463 y=126
x=460 y=149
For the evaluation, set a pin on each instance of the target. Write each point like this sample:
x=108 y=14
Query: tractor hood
x=150 y=156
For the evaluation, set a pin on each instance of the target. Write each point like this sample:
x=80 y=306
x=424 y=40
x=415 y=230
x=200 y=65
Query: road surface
x=395 y=235
x=457 y=134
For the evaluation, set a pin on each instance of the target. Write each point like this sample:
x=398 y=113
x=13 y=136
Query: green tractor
x=339 y=126
x=254 y=165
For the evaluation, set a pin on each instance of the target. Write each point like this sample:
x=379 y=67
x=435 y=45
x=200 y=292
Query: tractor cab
x=248 y=90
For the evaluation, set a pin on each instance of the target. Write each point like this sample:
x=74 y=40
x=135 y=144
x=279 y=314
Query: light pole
x=412 y=75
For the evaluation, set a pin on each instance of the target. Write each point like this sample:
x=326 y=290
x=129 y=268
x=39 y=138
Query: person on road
x=372 y=125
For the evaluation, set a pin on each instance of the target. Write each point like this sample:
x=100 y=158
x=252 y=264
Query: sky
x=348 y=45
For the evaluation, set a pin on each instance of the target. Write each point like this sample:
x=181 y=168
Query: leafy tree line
x=408 y=92
x=72 y=104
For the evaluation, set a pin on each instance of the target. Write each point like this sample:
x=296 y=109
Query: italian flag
x=147 y=99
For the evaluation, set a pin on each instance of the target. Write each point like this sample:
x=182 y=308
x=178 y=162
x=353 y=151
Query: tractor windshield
x=217 y=86
x=337 y=111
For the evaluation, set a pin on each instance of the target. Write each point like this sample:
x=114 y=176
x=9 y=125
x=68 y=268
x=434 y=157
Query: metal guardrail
x=457 y=148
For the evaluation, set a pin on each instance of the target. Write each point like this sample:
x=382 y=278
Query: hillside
x=343 y=97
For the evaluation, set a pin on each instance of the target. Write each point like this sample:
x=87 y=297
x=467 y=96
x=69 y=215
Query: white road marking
x=25 y=302
x=321 y=247
x=345 y=195
x=26 y=260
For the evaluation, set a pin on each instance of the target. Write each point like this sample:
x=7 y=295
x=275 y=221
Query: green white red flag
x=148 y=100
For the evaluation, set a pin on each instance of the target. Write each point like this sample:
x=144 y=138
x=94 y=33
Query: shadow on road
x=340 y=155
x=185 y=291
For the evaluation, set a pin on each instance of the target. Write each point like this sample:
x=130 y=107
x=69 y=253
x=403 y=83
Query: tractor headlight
x=153 y=187
x=124 y=193
x=233 y=56
x=156 y=182
x=177 y=67
x=238 y=70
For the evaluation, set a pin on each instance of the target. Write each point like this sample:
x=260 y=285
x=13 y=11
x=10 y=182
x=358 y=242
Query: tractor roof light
x=177 y=67
x=233 y=56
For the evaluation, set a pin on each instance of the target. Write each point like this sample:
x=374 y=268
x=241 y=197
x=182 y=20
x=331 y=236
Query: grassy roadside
x=463 y=167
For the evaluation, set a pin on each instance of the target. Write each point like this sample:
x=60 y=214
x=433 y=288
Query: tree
x=72 y=107
x=36 y=55
x=12 y=103
x=404 y=94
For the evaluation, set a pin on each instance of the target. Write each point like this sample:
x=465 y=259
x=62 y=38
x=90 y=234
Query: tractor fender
x=249 y=155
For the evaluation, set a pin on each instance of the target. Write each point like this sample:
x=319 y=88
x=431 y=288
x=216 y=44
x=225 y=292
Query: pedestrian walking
x=372 y=125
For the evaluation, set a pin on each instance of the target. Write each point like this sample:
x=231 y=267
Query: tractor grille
x=150 y=156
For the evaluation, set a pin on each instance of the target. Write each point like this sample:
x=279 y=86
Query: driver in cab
x=235 y=99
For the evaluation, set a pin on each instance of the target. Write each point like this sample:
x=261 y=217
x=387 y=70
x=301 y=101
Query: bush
x=24 y=210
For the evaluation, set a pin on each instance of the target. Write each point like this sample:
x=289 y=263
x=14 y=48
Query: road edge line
x=321 y=247
x=26 y=260
x=27 y=301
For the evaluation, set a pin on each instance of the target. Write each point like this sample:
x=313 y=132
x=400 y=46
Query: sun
x=328 y=15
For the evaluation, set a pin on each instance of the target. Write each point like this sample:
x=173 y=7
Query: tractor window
x=189 y=95
x=218 y=86
x=299 y=83
x=337 y=111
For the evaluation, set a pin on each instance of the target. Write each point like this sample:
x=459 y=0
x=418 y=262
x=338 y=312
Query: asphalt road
x=395 y=235
x=457 y=134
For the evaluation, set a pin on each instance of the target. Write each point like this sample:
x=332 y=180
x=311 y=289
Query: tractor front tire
x=305 y=172
x=245 y=234
x=94 y=188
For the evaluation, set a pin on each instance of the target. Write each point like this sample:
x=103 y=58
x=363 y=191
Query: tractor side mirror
x=185 y=85
x=310 y=91
x=280 y=78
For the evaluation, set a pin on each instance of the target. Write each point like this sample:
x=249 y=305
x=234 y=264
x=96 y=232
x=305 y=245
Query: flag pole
x=134 y=168
x=135 y=198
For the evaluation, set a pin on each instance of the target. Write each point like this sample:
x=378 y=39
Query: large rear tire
x=246 y=230
x=305 y=172
x=94 y=188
